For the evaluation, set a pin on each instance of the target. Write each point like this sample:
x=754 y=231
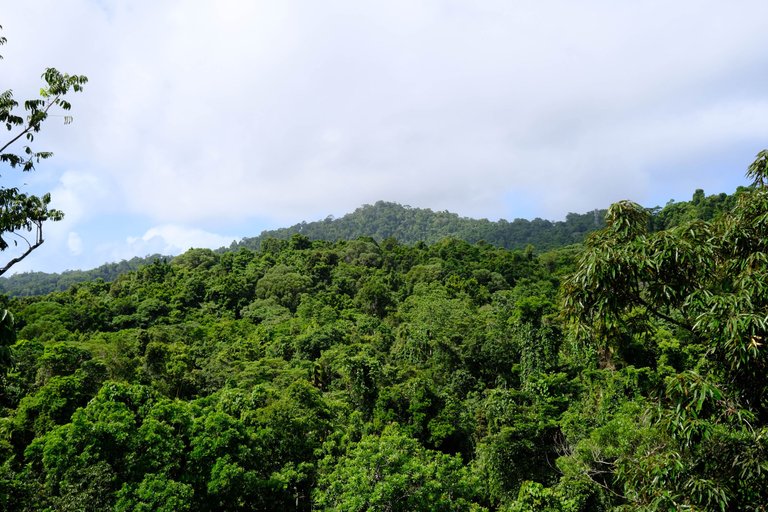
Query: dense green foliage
x=628 y=373
x=256 y=380
x=692 y=302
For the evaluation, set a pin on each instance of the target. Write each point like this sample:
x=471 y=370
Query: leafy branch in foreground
x=701 y=286
x=21 y=212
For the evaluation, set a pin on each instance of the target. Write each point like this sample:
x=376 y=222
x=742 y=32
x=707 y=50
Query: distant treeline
x=41 y=283
x=409 y=226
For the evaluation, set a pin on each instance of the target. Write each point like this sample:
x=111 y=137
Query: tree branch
x=38 y=242
x=663 y=316
x=30 y=126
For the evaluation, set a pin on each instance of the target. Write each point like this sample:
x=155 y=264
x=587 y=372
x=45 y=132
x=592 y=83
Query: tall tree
x=703 y=283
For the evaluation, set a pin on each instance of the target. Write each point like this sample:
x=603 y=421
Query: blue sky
x=207 y=121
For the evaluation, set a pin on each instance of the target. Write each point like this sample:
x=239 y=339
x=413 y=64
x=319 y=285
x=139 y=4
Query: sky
x=204 y=122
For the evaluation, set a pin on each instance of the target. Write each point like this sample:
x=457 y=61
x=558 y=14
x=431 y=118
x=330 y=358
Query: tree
x=19 y=211
x=704 y=285
x=394 y=472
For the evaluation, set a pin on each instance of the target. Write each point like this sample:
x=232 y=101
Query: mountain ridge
x=408 y=225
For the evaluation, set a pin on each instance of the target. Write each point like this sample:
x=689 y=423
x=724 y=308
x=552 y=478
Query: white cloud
x=212 y=113
x=169 y=239
x=83 y=194
x=75 y=243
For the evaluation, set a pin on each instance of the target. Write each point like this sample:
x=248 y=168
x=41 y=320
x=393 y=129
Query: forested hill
x=411 y=225
x=40 y=283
